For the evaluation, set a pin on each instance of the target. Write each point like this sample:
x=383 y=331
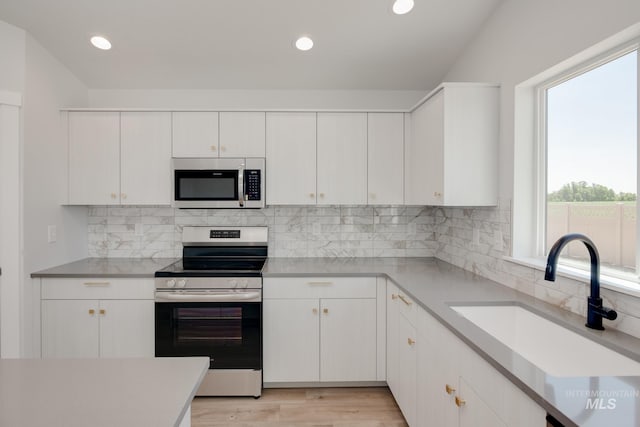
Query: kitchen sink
x=551 y=347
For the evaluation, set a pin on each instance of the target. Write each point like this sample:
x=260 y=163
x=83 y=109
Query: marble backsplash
x=306 y=231
x=484 y=255
x=476 y=239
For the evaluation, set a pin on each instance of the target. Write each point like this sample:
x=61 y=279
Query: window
x=589 y=128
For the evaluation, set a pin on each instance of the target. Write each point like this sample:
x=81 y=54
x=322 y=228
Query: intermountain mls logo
x=602 y=399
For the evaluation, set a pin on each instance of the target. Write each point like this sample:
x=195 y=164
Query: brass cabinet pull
x=404 y=300
x=312 y=195
x=460 y=402
x=394 y=297
x=97 y=283
x=449 y=389
x=223 y=148
x=103 y=311
x=321 y=195
x=92 y=312
x=325 y=310
x=123 y=195
x=410 y=341
x=213 y=148
x=315 y=311
x=113 y=195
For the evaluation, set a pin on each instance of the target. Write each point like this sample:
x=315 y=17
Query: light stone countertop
x=107 y=267
x=98 y=392
x=435 y=285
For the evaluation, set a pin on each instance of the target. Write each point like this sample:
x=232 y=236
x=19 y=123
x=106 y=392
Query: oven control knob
x=171 y=283
x=182 y=283
x=233 y=283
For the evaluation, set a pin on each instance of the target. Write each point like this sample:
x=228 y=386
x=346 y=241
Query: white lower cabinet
x=458 y=388
x=320 y=329
x=91 y=318
x=291 y=336
x=401 y=352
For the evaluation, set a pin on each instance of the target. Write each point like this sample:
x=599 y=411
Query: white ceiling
x=248 y=44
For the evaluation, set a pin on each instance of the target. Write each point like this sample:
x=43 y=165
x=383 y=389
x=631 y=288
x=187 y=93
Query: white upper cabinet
x=195 y=134
x=145 y=158
x=342 y=159
x=385 y=158
x=291 y=158
x=94 y=158
x=242 y=134
x=451 y=152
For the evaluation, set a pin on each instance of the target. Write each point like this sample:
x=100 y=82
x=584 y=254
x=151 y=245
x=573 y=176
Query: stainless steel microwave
x=218 y=183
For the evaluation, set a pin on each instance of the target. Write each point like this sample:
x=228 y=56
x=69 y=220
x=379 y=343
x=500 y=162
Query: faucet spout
x=595 y=310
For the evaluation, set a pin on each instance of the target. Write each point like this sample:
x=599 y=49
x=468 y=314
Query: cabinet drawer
x=97 y=288
x=319 y=287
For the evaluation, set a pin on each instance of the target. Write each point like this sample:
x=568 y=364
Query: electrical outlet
x=476 y=236
x=52 y=233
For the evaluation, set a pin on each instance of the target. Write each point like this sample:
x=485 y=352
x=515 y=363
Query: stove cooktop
x=218 y=267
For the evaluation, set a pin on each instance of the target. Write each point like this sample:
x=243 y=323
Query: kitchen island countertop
x=98 y=392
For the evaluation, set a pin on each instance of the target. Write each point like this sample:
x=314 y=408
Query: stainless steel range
x=210 y=304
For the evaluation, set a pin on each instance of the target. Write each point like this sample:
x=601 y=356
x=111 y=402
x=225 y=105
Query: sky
x=592 y=127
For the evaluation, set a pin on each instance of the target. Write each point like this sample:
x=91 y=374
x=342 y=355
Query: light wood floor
x=310 y=407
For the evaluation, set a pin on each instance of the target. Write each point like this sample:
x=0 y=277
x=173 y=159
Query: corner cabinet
x=119 y=158
x=92 y=318
x=321 y=329
x=451 y=154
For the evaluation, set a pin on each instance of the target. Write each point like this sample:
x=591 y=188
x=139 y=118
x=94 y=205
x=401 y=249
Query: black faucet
x=595 y=310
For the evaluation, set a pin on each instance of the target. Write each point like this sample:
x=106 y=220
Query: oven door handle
x=208 y=297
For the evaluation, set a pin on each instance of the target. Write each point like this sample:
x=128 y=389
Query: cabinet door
x=348 y=340
x=194 y=134
x=242 y=134
x=474 y=412
x=145 y=158
x=436 y=369
x=385 y=158
x=393 y=315
x=127 y=328
x=291 y=340
x=291 y=158
x=430 y=126
x=94 y=158
x=407 y=370
x=70 y=329
x=342 y=158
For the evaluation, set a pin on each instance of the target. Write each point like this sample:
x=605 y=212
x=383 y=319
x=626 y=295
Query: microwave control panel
x=252 y=184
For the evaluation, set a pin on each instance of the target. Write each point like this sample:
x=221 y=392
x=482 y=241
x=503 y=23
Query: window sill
x=627 y=287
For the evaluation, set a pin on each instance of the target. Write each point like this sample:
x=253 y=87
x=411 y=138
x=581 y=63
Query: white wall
x=12 y=77
x=12 y=63
x=255 y=99
x=519 y=41
x=48 y=87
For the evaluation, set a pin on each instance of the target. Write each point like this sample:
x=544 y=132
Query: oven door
x=229 y=333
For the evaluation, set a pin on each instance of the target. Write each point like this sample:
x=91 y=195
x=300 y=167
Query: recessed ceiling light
x=400 y=7
x=101 y=42
x=304 y=43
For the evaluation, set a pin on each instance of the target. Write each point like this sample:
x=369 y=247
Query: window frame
x=540 y=160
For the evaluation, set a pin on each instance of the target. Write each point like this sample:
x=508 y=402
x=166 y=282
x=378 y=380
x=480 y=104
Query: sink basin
x=554 y=349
